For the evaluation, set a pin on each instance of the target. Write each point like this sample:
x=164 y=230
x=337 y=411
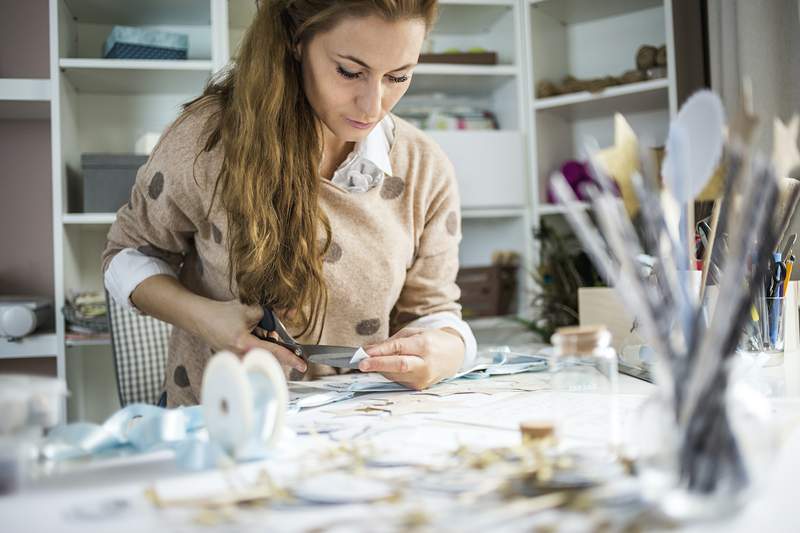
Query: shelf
x=501 y=212
x=141 y=12
x=557 y=209
x=89 y=219
x=652 y=94
x=578 y=11
x=23 y=99
x=141 y=76
x=99 y=341
x=444 y=69
x=466 y=80
x=36 y=345
x=24 y=90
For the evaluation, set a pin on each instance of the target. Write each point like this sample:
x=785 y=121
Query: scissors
x=335 y=356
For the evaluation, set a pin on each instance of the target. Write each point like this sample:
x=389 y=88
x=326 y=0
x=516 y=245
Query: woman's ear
x=297 y=52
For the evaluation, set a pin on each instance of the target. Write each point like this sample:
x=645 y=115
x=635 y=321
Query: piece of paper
x=359 y=356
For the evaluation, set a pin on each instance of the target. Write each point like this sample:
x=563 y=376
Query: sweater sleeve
x=430 y=284
x=166 y=206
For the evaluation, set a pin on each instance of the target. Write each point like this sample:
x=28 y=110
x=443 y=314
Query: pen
x=776 y=294
x=789 y=265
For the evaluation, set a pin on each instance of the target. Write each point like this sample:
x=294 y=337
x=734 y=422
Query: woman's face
x=356 y=72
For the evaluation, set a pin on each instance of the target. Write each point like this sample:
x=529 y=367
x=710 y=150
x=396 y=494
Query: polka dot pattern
x=392 y=188
x=156 y=185
x=217 y=233
x=451 y=223
x=334 y=253
x=180 y=376
x=368 y=327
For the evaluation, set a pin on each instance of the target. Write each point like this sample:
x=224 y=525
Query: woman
x=289 y=184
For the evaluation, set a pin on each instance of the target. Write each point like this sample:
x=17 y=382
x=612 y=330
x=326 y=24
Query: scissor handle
x=267 y=322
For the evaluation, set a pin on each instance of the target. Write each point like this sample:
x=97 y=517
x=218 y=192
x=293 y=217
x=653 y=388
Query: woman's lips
x=359 y=125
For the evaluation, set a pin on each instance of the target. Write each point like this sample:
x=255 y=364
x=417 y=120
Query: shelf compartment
x=141 y=12
x=35 y=345
x=602 y=38
x=579 y=11
x=125 y=76
x=462 y=80
x=85 y=25
x=633 y=98
x=487 y=182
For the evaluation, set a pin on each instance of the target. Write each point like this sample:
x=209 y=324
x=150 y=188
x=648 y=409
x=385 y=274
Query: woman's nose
x=369 y=99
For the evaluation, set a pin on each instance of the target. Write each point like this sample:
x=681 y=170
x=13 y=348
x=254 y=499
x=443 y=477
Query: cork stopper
x=580 y=340
x=536 y=430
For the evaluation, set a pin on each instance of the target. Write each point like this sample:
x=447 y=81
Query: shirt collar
x=366 y=166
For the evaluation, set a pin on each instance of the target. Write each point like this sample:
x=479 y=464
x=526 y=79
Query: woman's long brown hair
x=272 y=142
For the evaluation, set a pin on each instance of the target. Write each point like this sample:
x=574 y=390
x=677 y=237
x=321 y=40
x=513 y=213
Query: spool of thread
x=245 y=402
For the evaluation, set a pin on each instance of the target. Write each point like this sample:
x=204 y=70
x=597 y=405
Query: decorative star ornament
x=785 y=153
x=621 y=161
x=740 y=129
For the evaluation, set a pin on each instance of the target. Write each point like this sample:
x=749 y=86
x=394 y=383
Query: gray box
x=108 y=180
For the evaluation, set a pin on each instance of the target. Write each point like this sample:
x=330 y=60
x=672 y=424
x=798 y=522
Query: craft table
x=390 y=434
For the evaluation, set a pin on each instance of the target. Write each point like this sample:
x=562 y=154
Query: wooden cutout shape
x=785 y=153
x=621 y=161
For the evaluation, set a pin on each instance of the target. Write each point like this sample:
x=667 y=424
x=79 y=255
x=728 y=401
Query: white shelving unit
x=587 y=39
x=101 y=105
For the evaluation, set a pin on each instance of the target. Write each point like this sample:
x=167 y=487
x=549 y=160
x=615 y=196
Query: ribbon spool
x=245 y=402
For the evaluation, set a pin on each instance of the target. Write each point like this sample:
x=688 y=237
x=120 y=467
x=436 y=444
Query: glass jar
x=584 y=383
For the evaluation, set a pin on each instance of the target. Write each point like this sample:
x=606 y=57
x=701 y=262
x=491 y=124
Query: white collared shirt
x=362 y=170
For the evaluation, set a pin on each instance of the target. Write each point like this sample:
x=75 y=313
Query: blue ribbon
x=138 y=428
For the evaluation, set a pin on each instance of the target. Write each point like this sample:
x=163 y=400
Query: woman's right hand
x=229 y=326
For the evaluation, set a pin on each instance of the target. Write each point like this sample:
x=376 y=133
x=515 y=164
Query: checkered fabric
x=139 y=344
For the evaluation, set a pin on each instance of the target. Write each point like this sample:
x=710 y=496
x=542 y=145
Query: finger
x=284 y=356
x=395 y=364
x=405 y=332
x=254 y=314
x=412 y=345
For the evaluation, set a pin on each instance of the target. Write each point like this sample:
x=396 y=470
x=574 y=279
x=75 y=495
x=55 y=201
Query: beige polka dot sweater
x=394 y=255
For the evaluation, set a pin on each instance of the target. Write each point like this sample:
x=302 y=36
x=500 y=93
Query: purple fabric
x=576 y=174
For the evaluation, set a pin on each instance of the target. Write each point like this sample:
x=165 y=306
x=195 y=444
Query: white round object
x=261 y=362
x=694 y=145
x=17 y=321
x=342 y=488
x=227 y=401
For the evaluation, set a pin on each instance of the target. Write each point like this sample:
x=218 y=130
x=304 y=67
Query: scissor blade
x=336 y=356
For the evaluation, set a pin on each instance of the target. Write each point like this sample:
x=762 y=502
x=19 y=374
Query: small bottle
x=584 y=383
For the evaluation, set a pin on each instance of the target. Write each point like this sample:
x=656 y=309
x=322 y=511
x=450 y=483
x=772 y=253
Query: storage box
x=460 y=58
x=487 y=291
x=108 y=180
x=135 y=43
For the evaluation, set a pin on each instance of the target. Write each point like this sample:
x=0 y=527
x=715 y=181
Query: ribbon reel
x=244 y=402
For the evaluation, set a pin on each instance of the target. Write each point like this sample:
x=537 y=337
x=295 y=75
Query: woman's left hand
x=416 y=357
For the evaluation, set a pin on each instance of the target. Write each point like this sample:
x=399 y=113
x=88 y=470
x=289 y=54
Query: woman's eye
x=347 y=74
x=398 y=79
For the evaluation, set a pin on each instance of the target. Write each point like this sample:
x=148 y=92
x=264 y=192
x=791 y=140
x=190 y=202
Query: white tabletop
x=381 y=429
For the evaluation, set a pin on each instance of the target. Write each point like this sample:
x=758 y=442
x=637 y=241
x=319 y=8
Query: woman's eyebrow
x=356 y=60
